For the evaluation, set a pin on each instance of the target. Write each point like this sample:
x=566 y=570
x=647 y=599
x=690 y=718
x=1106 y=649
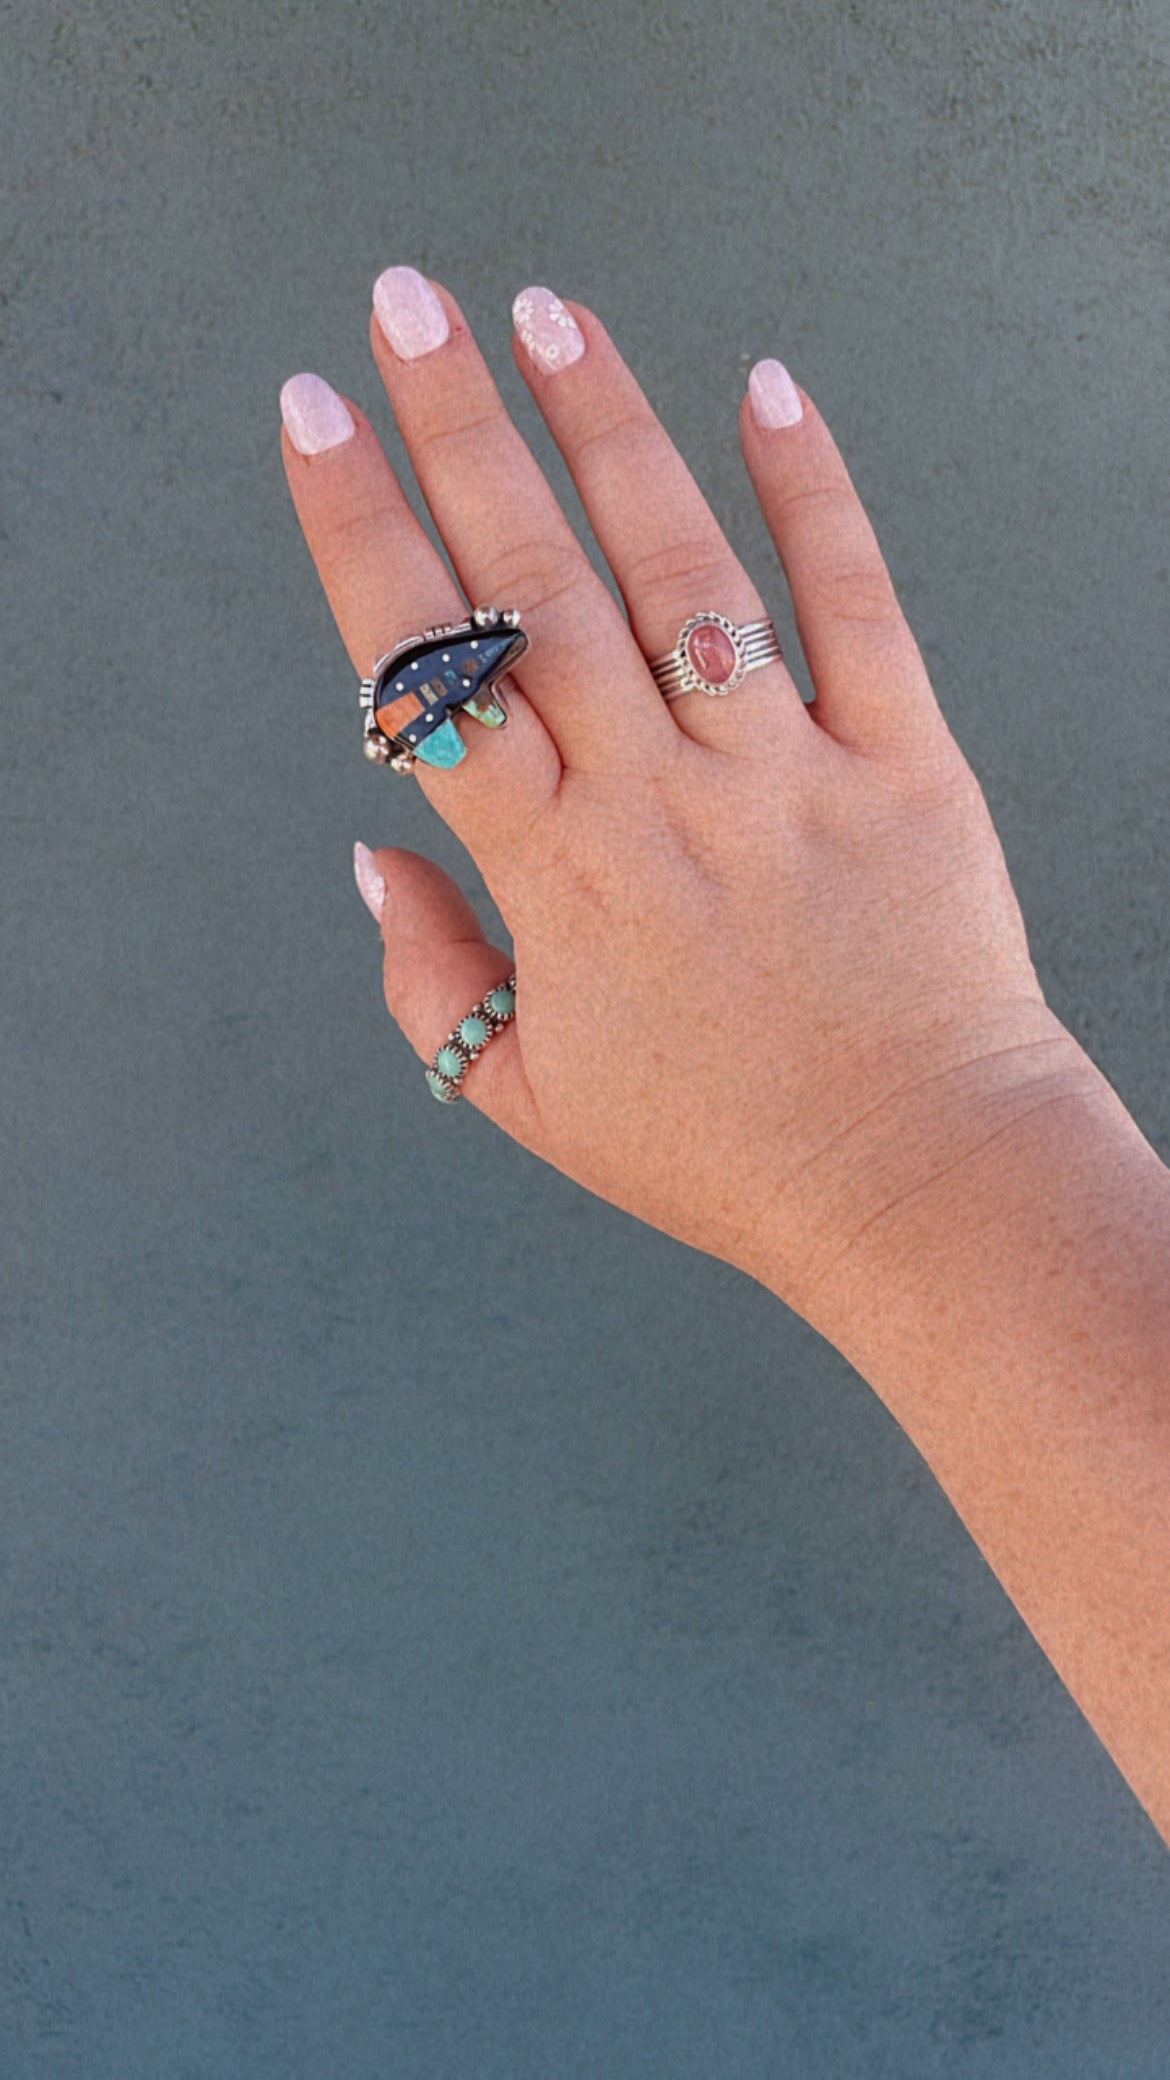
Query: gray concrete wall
x=579 y=1676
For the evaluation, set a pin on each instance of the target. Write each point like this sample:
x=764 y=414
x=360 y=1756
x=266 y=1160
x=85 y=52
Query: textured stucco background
x=571 y=1671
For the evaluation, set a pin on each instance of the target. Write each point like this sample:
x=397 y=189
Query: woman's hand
x=772 y=974
x=774 y=992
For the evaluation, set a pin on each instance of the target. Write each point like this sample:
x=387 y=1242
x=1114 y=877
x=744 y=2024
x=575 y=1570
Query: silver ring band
x=713 y=655
x=470 y=1037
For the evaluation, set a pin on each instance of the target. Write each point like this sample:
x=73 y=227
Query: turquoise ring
x=471 y=1036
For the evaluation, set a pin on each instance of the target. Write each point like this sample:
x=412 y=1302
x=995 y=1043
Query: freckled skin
x=774 y=990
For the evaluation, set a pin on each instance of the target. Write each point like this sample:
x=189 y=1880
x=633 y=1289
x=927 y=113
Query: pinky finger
x=437 y=964
x=872 y=688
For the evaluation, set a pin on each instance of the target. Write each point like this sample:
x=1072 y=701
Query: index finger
x=384 y=580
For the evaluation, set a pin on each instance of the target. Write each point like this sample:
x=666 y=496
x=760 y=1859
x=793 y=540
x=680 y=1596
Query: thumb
x=437 y=966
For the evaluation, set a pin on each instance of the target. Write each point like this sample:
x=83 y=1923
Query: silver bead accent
x=377 y=750
x=486 y=617
x=511 y=617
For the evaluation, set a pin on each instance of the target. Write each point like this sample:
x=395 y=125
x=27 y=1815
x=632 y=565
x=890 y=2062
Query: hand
x=772 y=975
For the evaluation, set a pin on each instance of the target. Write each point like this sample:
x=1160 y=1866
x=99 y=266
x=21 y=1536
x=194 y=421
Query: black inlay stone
x=494 y=650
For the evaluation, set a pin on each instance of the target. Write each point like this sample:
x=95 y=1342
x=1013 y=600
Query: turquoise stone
x=439 y=1089
x=488 y=708
x=502 y=1001
x=450 y=1061
x=473 y=1031
x=444 y=746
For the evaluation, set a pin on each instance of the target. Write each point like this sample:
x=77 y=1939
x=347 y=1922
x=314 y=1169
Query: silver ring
x=462 y=1047
x=713 y=655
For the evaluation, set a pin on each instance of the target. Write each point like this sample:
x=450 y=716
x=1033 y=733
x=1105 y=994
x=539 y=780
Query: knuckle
x=841 y=566
x=809 y=500
x=531 y=574
x=367 y=525
x=858 y=593
x=678 y=564
x=618 y=427
x=427 y=441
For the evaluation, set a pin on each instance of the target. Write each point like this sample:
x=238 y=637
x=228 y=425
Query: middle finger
x=505 y=532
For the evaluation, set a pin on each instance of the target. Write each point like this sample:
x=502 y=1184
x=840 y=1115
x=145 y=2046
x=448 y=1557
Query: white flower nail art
x=549 y=332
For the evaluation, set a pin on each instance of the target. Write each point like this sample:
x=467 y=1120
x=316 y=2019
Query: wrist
x=975 y=1203
x=889 y=1199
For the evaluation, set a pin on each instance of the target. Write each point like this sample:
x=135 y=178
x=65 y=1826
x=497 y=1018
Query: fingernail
x=409 y=313
x=371 y=886
x=315 y=416
x=552 y=337
x=775 y=397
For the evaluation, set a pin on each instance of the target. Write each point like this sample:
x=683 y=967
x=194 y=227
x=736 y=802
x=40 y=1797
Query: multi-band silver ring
x=713 y=655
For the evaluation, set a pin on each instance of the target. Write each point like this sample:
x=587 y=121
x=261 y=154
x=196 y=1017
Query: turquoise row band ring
x=470 y=1037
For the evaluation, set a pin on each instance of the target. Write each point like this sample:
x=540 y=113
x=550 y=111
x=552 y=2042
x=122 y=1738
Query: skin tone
x=774 y=995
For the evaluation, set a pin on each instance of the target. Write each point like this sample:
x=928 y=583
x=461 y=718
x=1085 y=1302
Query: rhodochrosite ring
x=712 y=655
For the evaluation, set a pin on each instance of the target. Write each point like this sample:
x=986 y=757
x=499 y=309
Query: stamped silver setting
x=443 y=1079
x=713 y=655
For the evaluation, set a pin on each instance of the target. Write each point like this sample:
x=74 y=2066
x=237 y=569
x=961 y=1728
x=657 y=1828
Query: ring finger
x=660 y=538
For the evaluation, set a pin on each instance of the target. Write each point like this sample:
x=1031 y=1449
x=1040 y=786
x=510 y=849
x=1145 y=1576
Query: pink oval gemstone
x=712 y=653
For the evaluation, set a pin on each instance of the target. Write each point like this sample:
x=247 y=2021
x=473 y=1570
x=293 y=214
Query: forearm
x=1014 y=1315
x=736 y=915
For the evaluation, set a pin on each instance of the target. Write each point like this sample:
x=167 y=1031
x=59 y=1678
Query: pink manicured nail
x=371 y=886
x=552 y=337
x=315 y=416
x=775 y=397
x=409 y=313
